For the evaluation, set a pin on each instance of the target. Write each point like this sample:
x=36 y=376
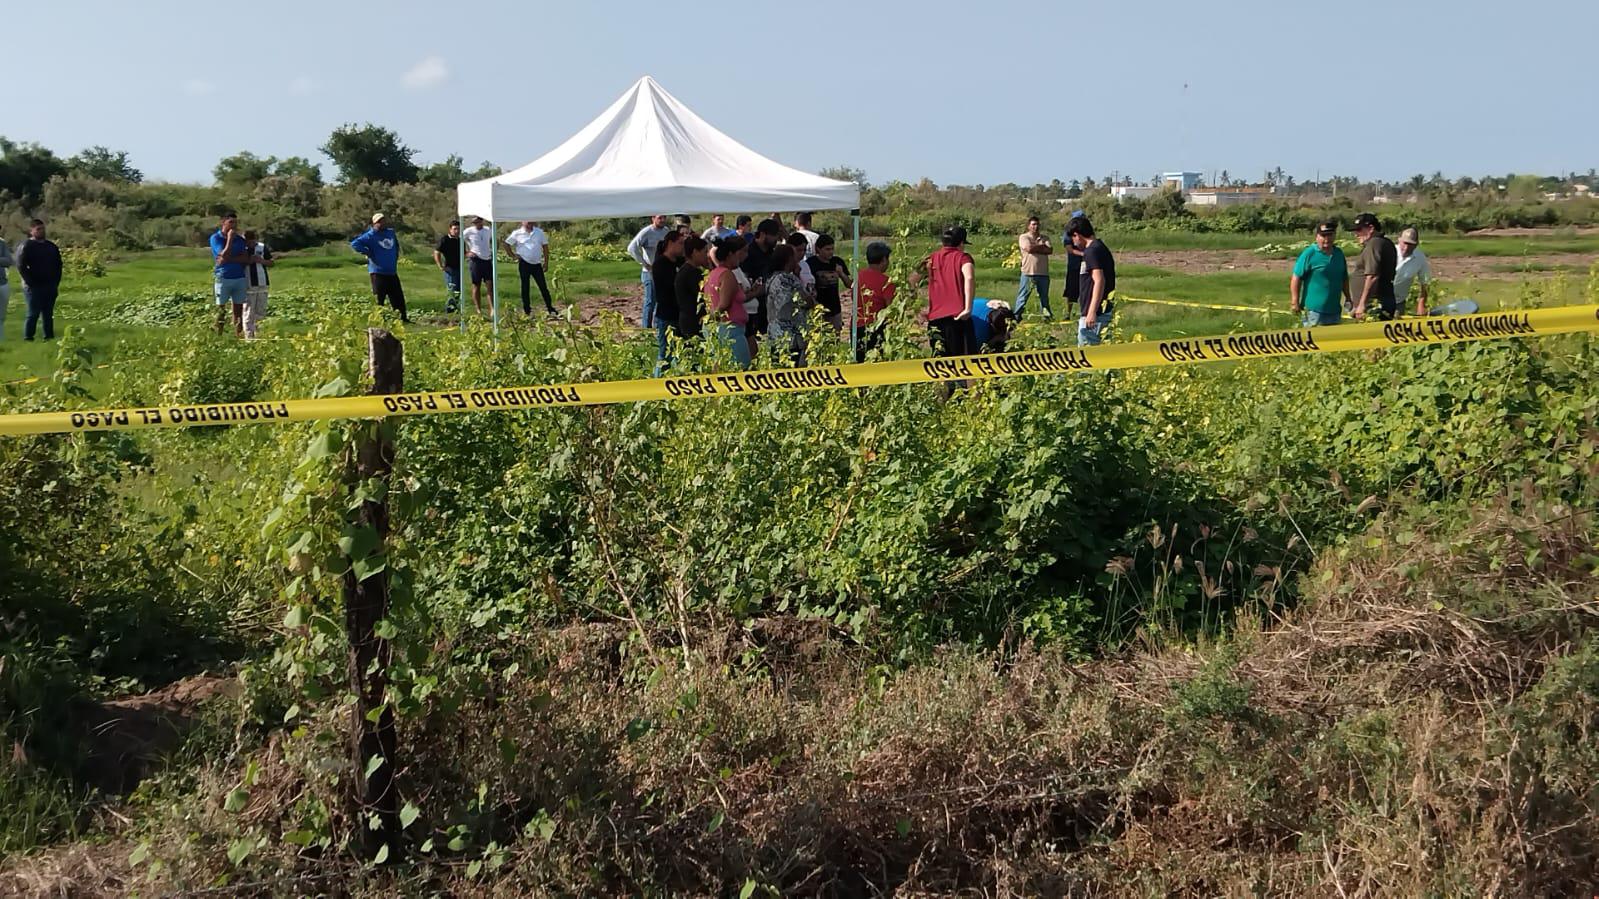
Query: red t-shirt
x=875 y=292
x=946 y=289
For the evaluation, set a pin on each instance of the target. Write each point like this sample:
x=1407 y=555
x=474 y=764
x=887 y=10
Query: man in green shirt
x=1320 y=283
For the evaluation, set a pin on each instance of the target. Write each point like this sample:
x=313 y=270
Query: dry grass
x=1426 y=724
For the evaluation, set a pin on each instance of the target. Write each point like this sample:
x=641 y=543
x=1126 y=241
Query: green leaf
x=139 y=854
x=373 y=764
x=716 y=822
x=292 y=713
x=386 y=630
x=295 y=617
x=473 y=869
x=382 y=856
x=408 y=815
x=748 y=890
x=323 y=445
x=299 y=837
x=236 y=801
x=903 y=827
x=239 y=850
x=427 y=845
x=365 y=568
x=358 y=542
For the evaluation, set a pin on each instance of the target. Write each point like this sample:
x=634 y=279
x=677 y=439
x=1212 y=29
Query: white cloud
x=302 y=85
x=430 y=72
x=196 y=87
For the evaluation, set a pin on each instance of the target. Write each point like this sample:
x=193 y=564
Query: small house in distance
x=1133 y=192
x=1183 y=181
x=1228 y=196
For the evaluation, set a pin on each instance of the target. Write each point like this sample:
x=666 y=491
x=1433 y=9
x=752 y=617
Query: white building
x=1133 y=191
x=1183 y=181
x=1236 y=196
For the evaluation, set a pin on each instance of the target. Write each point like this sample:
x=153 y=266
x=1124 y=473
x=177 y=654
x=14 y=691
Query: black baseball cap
x=1366 y=219
x=1327 y=227
x=953 y=236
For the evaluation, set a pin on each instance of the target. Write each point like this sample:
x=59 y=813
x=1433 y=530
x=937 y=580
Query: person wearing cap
x=1074 y=269
x=1320 y=280
x=230 y=253
x=642 y=251
x=1413 y=268
x=1374 y=270
x=479 y=238
x=951 y=289
x=381 y=247
x=1098 y=282
x=1035 y=268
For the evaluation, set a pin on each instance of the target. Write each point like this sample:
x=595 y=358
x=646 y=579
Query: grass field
x=89 y=303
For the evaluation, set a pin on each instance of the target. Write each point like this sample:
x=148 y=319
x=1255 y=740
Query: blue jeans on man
x=452 y=289
x=1312 y=319
x=1028 y=285
x=647 y=315
x=663 y=360
x=1093 y=334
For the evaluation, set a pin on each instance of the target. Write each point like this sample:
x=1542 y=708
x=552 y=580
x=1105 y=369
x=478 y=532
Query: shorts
x=1312 y=319
x=482 y=270
x=232 y=290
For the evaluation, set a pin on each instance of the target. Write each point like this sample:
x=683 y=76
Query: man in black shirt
x=829 y=270
x=39 y=264
x=1373 y=278
x=1098 y=282
x=757 y=266
x=447 y=256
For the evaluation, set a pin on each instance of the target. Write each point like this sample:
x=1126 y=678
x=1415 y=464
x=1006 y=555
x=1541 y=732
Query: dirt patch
x=126 y=738
x=1530 y=232
x=1455 y=268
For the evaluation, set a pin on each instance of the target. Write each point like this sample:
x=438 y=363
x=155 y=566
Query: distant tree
x=846 y=173
x=242 y=168
x=298 y=167
x=370 y=153
x=105 y=164
x=1074 y=190
x=1226 y=179
x=485 y=169
x=25 y=169
x=451 y=172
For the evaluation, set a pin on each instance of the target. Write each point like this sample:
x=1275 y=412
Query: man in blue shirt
x=230 y=252
x=381 y=247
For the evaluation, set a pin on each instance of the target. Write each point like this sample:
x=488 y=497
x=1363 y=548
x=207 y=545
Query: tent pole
x=855 y=292
x=462 y=276
x=494 y=273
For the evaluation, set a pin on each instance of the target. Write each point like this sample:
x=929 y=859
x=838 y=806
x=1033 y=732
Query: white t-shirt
x=1411 y=268
x=479 y=242
x=810 y=241
x=529 y=245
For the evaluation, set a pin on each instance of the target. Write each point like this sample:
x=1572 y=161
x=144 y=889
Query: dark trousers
x=536 y=272
x=953 y=337
x=387 y=287
x=41 y=304
x=869 y=338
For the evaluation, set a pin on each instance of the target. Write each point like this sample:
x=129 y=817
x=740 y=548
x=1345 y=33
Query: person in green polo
x=1319 y=287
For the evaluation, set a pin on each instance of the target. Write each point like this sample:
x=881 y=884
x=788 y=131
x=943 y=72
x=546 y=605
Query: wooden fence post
x=366 y=602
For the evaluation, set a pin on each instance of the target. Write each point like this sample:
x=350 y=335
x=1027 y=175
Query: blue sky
x=974 y=92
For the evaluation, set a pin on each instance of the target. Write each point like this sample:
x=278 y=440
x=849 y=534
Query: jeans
x=1093 y=334
x=1029 y=283
x=254 y=308
x=1312 y=319
x=231 y=290
x=647 y=314
x=735 y=338
x=662 y=360
x=41 y=304
x=452 y=289
x=535 y=271
x=5 y=303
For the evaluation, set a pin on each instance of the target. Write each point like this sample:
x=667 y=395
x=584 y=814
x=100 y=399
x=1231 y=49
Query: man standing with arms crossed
x=1035 y=268
x=1098 y=282
x=230 y=253
x=1413 y=267
x=642 y=251
x=479 y=259
x=532 y=250
x=1374 y=270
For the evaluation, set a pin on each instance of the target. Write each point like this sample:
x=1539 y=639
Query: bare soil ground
x=1207 y=262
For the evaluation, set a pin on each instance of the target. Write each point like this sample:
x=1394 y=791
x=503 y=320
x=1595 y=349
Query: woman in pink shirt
x=724 y=297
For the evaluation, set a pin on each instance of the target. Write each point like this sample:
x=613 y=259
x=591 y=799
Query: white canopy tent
x=648 y=154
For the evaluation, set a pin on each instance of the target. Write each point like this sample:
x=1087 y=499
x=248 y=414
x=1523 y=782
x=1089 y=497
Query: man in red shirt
x=876 y=292
x=951 y=287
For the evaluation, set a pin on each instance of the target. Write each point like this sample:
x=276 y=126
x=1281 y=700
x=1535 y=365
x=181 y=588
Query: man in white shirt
x=479 y=258
x=1413 y=266
x=642 y=251
x=802 y=225
x=531 y=248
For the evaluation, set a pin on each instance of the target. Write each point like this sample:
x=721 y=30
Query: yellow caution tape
x=1179 y=351
x=1261 y=309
